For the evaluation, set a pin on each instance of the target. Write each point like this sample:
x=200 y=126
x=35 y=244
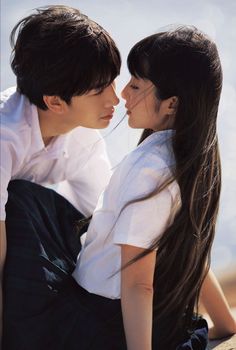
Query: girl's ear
x=54 y=103
x=168 y=109
x=172 y=105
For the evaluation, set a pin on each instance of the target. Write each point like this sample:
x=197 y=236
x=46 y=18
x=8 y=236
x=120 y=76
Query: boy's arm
x=137 y=298
x=217 y=307
x=3 y=246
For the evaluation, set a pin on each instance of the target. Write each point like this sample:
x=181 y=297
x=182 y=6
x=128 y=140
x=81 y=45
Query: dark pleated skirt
x=44 y=308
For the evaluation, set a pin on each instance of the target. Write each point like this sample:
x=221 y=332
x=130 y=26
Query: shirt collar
x=159 y=137
x=57 y=147
x=161 y=142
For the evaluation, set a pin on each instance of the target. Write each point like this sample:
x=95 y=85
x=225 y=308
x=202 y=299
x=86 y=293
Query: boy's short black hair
x=60 y=51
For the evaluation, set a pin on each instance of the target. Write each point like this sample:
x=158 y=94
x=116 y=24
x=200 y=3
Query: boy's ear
x=54 y=103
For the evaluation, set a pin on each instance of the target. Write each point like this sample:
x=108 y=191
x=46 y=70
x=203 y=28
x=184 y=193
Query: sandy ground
x=226 y=344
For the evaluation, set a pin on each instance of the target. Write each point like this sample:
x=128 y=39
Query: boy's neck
x=47 y=140
x=47 y=127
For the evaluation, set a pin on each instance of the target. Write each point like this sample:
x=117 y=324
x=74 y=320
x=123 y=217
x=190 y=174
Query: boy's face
x=92 y=110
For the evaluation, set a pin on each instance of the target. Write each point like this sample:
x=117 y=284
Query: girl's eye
x=134 y=87
x=99 y=91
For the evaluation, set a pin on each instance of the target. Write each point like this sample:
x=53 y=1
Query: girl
x=146 y=253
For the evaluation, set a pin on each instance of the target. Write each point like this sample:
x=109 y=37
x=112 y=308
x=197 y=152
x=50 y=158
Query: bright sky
x=129 y=21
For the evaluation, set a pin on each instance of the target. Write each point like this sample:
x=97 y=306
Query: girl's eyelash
x=99 y=92
x=135 y=87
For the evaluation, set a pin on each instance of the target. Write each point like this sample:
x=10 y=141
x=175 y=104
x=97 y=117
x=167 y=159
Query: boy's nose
x=124 y=93
x=112 y=98
x=116 y=100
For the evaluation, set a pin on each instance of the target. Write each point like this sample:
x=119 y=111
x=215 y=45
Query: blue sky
x=129 y=21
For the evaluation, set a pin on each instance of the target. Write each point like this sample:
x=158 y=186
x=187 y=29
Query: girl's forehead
x=141 y=81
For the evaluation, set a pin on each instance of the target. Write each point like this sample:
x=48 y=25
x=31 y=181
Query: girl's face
x=143 y=109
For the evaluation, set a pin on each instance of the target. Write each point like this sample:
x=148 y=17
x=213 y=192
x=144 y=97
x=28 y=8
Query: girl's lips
x=128 y=110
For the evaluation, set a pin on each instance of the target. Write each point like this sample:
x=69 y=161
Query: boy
x=65 y=66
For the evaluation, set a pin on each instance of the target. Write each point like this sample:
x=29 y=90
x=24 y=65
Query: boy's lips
x=109 y=115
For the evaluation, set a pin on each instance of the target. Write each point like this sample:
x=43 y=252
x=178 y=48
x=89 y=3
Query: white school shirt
x=147 y=167
x=77 y=160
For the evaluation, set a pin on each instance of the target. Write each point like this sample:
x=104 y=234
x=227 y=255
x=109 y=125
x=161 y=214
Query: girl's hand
x=218 y=309
x=215 y=333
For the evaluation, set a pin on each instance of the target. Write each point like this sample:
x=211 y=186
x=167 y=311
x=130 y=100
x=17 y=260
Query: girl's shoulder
x=154 y=155
x=143 y=170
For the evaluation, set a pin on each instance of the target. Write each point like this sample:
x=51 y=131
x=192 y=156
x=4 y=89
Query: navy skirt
x=44 y=308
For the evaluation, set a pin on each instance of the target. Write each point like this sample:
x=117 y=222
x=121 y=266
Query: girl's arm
x=217 y=307
x=137 y=297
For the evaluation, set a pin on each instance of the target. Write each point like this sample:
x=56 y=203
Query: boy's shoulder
x=15 y=109
x=6 y=94
x=16 y=116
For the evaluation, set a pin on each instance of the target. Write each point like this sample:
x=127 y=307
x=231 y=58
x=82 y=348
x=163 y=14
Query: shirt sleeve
x=85 y=186
x=142 y=221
